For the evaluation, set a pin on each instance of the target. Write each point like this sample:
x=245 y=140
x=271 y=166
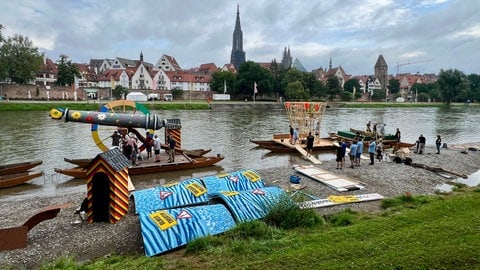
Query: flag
x=112 y=82
x=224 y=86
x=255 y=87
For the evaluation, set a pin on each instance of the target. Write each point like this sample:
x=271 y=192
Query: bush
x=287 y=215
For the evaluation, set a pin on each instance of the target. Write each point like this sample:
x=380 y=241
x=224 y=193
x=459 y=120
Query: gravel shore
x=58 y=237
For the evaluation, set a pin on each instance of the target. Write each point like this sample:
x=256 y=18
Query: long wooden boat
x=150 y=166
x=16 y=179
x=280 y=144
x=18 y=167
x=195 y=153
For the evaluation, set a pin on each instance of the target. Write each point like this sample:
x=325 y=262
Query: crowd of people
x=131 y=146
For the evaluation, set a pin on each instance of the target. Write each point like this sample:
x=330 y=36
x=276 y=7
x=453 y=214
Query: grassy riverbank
x=413 y=232
x=196 y=105
x=47 y=106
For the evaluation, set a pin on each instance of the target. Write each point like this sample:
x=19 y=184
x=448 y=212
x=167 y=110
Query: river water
x=34 y=135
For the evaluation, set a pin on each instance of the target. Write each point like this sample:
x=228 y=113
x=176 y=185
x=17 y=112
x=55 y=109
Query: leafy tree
x=19 y=60
x=474 y=93
x=66 y=71
x=221 y=77
x=295 y=91
x=394 y=86
x=348 y=87
x=333 y=86
x=315 y=87
x=250 y=73
x=278 y=73
x=119 y=92
x=452 y=84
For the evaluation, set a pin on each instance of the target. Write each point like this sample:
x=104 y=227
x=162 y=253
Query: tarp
x=251 y=204
x=185 y=193
x=136 y=96
x=167 y=229
x=234 y=181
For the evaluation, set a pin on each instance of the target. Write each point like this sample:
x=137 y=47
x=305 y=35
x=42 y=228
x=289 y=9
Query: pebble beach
x=59 y=237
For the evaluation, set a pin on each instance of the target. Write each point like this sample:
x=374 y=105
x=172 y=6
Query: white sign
x=221 y=96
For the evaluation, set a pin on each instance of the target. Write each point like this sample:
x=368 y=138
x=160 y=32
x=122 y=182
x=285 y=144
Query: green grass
x=47 y=106
x=424 y=232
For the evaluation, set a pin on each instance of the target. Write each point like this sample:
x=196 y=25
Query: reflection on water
x=33 y=135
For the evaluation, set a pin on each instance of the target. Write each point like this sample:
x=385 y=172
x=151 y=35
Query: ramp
x=333 y=181
x=336 y=200
x=305 y=155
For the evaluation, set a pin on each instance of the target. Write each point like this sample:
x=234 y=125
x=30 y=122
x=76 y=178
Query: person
x=148 y=144
x=295 y=136
x=115 y=138
x=421 y=144
x=127 y=147
x=372 y=147
x=379 y=150
x=353 y=153
x=438 y=143
x=343 y=144
x=134 y=142
x=171 y=148
x=310 y=140
x=317 y=131
x=359 y=152
x=156 y=147
x=340 y=155
x=291 y=133
x=397 y=135
x=369 y=126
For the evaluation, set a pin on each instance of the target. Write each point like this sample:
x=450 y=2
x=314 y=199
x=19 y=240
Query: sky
x=413 y=36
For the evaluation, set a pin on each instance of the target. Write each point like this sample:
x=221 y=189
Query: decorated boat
x=182 y=162
x=18 y=167
x=16 y=179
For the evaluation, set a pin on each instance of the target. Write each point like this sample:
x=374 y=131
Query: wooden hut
x=107 y=187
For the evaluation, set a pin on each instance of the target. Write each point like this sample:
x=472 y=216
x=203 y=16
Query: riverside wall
x=34 y=92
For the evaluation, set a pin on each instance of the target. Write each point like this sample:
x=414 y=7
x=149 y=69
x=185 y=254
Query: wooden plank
x=13 y=238
x=329 y=179
x=306 y=155
x=337 y=200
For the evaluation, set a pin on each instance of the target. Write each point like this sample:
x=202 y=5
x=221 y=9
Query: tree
x=66 y=71
x=119 y=92
x=348 y=87
x=333 y=86
x=393 y=86
x=452 y=84
x=250 y=73
x=295 y=91
x=474 y=93
x=220 y=78
x=19 y=60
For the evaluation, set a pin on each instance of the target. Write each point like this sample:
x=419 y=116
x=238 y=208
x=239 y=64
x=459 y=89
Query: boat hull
x=16 y=179
x=18 y=167
x=152 y=167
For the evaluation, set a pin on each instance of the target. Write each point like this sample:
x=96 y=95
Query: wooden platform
x=333 y=181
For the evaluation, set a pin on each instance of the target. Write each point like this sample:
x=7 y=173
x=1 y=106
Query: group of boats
x=281 y=143
x=18 y=173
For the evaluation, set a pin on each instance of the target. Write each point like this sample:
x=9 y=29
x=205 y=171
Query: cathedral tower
x=238 y=55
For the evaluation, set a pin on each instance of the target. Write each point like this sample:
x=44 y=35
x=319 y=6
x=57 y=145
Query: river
x=34 y=135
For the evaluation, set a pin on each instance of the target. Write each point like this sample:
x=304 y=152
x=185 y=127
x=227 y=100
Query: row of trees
x=452 y=85
x=20 y=61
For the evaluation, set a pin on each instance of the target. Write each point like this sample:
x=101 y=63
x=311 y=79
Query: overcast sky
x=412 y=35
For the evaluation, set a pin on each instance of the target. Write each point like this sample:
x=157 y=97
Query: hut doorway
x=100 y=198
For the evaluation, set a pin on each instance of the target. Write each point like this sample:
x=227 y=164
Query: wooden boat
x=280 y=144
x=18 y=167
x=195 y=153
x=16 y=179
x=183 y=162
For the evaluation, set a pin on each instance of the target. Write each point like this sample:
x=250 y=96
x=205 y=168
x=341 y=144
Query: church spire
x=238 y=55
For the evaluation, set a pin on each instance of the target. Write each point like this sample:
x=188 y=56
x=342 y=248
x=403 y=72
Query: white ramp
x=336 y=200
x=334 y=181
x=305 y=155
